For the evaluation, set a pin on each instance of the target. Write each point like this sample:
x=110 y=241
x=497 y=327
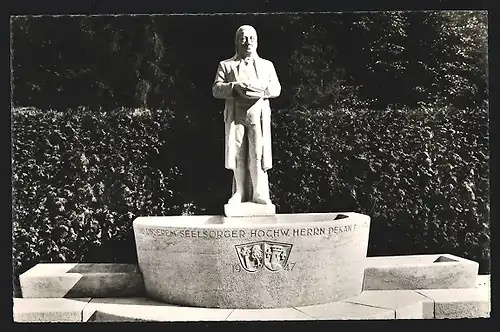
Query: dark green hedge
x=422 y=175
x=80 y=177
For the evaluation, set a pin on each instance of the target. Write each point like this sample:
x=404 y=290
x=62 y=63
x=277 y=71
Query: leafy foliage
x=81 y=177
x=422 y=175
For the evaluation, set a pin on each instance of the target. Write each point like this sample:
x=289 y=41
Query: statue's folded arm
x=222 y=89
x=274 y=86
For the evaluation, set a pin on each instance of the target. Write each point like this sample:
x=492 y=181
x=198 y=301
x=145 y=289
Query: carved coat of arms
x=271 y=255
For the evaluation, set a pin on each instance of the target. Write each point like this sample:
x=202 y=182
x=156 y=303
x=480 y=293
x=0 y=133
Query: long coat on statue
x=227 y=73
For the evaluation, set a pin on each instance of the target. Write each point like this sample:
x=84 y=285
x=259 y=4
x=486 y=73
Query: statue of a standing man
x=246 y=82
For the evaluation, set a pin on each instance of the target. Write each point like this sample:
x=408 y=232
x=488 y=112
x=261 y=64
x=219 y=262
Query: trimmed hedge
x=422 y=175
x=80 y=177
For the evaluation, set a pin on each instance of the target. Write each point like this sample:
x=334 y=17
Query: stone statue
x=246 y=82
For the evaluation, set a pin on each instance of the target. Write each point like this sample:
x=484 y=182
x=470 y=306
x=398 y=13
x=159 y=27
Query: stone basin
x=283 y=261
x=430 y=271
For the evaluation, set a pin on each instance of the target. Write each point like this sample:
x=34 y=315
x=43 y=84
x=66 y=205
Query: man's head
x=246 y=41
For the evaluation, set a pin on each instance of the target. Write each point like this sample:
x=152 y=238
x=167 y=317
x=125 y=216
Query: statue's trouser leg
x=259 y=177
x=240 y=169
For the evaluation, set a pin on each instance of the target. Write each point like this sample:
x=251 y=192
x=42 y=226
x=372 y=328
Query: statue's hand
x=253 y=94
x=240 y=88
x=256 y=87
x=249 y=91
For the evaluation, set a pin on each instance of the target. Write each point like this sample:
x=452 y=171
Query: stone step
x=143 y=309
x=51 y=310
x=380 y=304
x=76 y=280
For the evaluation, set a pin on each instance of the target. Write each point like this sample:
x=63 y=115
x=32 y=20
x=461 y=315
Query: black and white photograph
x=287 y=166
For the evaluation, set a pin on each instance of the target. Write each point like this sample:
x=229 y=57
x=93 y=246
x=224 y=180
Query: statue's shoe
x=261 y=200
x=236 y=198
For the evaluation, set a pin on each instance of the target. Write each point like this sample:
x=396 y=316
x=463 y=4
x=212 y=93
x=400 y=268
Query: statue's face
x=247 y=42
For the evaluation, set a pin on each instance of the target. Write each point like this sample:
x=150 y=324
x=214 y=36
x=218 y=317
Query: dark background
x=381 y=59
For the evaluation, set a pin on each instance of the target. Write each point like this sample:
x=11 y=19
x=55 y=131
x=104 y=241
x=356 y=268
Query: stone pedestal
x=249 y=209
x=287 y=260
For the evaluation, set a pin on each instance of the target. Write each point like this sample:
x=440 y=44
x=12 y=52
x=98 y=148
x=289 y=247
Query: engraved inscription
x=250 y=233
x=255 y=255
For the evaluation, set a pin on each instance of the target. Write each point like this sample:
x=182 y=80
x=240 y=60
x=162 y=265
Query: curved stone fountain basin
x=283 y=261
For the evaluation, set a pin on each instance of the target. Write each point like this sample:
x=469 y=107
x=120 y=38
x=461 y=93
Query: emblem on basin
x=271 y=255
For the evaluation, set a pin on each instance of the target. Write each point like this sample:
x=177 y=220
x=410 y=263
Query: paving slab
x=144 y=309
x=346 y=311
x=483 y=280
x=281 y=314
x=459 y=303
x=49 y=310
x=407 y=304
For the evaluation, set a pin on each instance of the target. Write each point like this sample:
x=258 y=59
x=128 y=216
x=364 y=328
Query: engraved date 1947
x=288 y=267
